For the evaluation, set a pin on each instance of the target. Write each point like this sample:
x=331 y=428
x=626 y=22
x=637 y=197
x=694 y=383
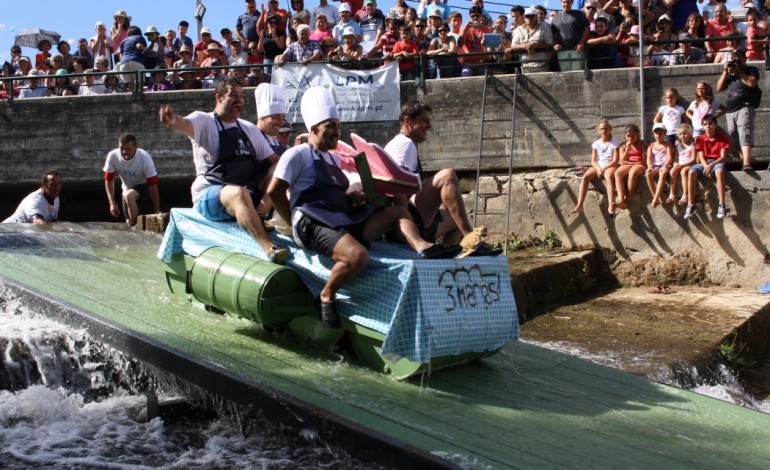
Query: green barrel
x=249 y=287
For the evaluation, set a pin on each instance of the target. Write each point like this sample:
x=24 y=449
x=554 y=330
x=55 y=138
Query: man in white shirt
x=41 y=206
x=332 y=16
x=451 y=223
x=232 y=163
x=137 y=176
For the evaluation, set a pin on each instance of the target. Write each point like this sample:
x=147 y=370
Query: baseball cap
x=659 y=126
x=370 y=2
x=664 y=17
x=475 y=9
x=205 y=31
x=531 y=11
x=348 y=31
x=344 y=7
x=286 y=126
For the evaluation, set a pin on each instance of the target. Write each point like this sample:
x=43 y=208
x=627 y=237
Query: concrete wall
x=555 y=120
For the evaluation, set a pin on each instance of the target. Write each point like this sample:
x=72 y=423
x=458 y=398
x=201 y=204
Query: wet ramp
x=525 y=407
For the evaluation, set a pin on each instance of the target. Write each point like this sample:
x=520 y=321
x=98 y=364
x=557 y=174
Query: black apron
x=273 y=143
x=236 y=162
x=325 y=202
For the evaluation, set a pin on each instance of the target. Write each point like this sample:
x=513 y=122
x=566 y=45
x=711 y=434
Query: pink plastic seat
x=389 y=178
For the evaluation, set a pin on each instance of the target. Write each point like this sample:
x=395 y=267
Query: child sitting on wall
x=711 y=151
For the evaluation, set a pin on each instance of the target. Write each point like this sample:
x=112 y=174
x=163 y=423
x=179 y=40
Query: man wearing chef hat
x=323 y=217
x=271 y=109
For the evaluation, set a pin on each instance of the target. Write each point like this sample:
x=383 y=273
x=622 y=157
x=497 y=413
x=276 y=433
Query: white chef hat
x=318 y=105
x=269 y=100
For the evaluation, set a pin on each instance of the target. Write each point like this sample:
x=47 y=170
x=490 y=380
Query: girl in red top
x=756 y=37
x=632 y=165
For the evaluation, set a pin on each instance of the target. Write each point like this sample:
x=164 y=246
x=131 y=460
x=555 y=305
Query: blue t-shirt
x=129 y=52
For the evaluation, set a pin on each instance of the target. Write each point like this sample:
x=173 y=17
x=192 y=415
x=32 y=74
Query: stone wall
x=552 y=129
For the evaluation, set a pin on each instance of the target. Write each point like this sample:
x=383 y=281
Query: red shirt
x=716 y=30
x=712 y=148
x=406 y=46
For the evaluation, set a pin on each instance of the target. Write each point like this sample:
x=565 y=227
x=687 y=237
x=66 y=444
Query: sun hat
x=213 y=47
x=286 y=126
x=121 y=13
x=150 y=30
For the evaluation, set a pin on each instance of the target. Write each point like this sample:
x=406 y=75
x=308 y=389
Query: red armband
x=109 y=176
x=152 y=180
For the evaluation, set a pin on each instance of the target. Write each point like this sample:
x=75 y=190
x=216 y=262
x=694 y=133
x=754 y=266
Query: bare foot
x=655 y=202
x=576 y=210
x=622 y=205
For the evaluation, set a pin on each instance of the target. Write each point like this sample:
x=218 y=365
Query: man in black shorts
x=326 y=219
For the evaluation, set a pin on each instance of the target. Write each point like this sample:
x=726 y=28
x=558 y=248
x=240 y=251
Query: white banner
x=361 y=95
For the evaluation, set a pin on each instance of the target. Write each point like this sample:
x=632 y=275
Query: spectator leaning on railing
x=532 y=43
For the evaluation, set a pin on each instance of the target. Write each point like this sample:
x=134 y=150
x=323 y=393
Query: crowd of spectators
x=356 y=34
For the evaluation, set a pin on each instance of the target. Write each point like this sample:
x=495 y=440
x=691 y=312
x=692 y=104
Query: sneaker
x=721 y=211
x=689 y=212
x=328 y=313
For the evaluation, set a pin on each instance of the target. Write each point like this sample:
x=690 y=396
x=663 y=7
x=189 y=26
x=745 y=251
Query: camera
x=731 y=63
x=627 y=25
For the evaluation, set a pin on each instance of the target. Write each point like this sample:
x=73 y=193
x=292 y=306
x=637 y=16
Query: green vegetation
x=549 y=242
x=733 y=354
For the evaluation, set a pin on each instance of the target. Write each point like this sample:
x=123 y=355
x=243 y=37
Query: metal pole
x=641 y=70
x=200 y=19
x=481 y=139
x=510 y=161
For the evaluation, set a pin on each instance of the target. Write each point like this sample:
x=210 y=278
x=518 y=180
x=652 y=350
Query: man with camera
x=743 y=97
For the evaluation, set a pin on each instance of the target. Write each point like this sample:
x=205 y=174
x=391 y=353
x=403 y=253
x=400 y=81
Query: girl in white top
x=604 y=160
x=701 y=105
x=670 y=114
x=659 y=159
x=685 y=159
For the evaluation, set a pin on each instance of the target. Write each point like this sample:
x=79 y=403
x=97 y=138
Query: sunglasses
x=591 y=8
x=274 y=23
x=184 y=53
x=419 y=26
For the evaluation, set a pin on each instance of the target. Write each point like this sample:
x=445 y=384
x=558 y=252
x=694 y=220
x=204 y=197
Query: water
x=721 y=383
x=70 y=402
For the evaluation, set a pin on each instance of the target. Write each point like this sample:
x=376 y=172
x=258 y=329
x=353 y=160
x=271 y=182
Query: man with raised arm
x=452 y=223
x=232 y=162
x=42 y=205
x=323 y=217
x=137 y=176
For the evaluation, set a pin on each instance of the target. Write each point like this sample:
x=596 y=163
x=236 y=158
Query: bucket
x=249 y=287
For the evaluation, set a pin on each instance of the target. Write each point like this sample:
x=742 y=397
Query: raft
x=402 y=316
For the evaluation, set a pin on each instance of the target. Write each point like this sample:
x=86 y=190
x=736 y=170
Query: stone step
x=542 y=281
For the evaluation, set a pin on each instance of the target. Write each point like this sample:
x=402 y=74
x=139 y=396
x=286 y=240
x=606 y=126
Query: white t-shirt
x=699 y=110
x=685 y=152
x=206 y=143
x=404 y=152
x=332 y=15
x=296 y=168
x=35 y=204
x=605 y=151
x=132 y=172
x=671 y=117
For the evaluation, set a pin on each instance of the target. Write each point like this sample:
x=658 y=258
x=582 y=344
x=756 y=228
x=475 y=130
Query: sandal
x=670 y=199
x=747 y=168
x=277 y=255
x=484 y=249
x=683 y=201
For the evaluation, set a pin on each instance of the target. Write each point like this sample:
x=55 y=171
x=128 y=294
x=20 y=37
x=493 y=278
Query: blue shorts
x=210 y=206
x=698 y=168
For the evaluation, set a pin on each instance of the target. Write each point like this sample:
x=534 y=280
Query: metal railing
x=425 y=65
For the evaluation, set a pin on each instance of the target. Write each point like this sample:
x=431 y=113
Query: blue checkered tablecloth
x=425 y=309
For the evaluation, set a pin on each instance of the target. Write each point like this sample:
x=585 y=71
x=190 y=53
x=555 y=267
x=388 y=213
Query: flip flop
x=747 y=168
x=683 y=201
x=670 y=199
